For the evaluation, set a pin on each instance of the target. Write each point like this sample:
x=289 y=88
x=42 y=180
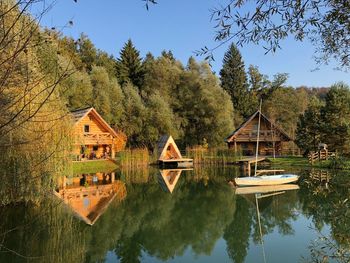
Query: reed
x=211 y=156
x=135 y=158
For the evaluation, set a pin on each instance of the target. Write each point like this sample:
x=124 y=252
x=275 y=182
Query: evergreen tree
x=234 y=81
x=129 y=66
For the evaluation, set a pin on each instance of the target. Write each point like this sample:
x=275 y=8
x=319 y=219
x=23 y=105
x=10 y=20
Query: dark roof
x=80 y=113
x=249 y=119
x=162 y=142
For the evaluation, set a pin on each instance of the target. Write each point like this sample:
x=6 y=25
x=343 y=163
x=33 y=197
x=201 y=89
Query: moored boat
x=266 y=180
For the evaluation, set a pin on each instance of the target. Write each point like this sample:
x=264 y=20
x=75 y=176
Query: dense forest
x=44 y=75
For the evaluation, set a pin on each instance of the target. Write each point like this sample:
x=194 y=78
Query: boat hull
x=266 y=180
x=265 y=189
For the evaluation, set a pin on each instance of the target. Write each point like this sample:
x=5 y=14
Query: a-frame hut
x=169 y=153
x=271 y=137
x=167 y=149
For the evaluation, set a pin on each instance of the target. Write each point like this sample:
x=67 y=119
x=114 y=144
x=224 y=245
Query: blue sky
x=181 y=26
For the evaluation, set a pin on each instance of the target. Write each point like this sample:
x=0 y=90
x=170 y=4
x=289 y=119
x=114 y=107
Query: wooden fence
x=320 y=156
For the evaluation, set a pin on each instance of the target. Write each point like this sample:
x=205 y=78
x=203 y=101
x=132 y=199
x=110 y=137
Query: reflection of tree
x=329 y=205
x=164 y=225
x=238 y=232
x=40 y=233
x=275 y=212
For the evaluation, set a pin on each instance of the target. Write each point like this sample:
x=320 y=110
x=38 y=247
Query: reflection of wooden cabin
x=169 y=154
x=93 y=137
x=89 y=195
x=168 y=179
x=271 y=137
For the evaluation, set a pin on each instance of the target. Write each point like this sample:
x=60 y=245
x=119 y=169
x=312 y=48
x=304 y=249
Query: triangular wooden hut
x=271 y=137
x=169 y=153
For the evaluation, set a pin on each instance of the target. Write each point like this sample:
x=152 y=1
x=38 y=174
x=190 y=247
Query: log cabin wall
x=93 y=137
x=271 y=138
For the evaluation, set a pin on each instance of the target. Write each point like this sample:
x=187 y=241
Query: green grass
x=303 y=162
x=93 y=166
x=289 y=161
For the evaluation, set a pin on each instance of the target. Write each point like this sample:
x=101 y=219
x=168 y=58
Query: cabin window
x=86 y=128
x=244 y=145
x=95 y=147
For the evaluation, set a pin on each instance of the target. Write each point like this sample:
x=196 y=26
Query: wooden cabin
x=93 y=137
x=170 y=155
x=271 y=138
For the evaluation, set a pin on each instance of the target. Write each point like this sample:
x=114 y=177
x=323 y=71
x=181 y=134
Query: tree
x=284 y=106
x=34 y=127
x=134 y=116
x=336 y=118
x=87 y=51
x=326 y=23
x=129 y=66
x=234 y=81
x=206 y=109
x=308 y=133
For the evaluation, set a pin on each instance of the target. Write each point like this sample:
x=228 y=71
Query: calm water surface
x=180 y=216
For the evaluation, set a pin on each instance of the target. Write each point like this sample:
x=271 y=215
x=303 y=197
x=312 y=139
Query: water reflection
x=168 y=178
x=89 y=195
x=206 y=220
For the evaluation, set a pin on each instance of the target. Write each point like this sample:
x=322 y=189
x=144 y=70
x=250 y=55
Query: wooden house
x=169 y=154
x=271 y=138
x=93 y=137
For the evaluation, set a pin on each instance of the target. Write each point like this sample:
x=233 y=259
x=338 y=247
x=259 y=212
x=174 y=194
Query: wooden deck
x=247 y=161
x=183 y=162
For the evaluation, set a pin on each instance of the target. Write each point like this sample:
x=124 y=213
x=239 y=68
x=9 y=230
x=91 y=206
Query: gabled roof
x=163 y=144
x=80 y=114
x=249 y=119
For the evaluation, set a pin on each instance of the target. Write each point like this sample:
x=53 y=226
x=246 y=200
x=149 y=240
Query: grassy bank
x=337 y=163
x=93 y=166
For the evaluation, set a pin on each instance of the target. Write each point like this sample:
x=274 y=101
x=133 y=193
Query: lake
x=148 y=215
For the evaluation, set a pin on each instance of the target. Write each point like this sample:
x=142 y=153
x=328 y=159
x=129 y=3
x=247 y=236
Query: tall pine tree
x=129 y=66
x=234 y=80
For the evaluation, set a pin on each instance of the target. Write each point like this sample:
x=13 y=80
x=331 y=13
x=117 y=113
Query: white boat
x=266 y=180
x=263 y=189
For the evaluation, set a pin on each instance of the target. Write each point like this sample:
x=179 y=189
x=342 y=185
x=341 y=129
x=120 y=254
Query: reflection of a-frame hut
x=169 y=153
x=168 y=178
x=89 y=202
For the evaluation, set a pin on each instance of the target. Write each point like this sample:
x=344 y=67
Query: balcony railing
x=264 y=135
x=95 y=138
